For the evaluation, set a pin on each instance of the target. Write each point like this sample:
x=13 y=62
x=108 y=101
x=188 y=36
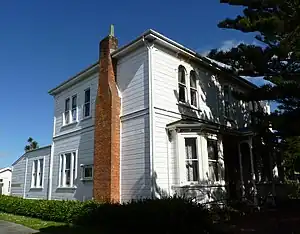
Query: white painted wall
x=74 y=137
x=133 y=83
x=5 y=177
x=167 y=110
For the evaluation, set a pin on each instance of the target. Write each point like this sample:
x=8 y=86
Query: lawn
x=33 y=223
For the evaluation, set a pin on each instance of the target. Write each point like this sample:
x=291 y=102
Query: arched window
x=182 y=84
x=193 y=89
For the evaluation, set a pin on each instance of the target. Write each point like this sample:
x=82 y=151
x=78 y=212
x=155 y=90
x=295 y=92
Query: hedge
x=167 y=215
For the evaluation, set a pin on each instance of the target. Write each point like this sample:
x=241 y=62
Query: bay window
x=200 y=159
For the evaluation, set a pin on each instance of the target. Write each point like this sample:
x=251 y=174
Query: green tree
x=276 y=25
x=31 y=145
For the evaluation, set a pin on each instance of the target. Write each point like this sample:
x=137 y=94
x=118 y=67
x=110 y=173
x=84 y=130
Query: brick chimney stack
x=106 y=183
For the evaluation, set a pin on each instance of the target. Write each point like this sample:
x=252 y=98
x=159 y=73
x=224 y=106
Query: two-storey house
x=150 y=119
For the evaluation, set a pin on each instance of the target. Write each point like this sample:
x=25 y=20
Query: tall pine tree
x=276 y=24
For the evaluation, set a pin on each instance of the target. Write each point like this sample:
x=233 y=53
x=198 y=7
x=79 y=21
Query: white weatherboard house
x=149 y=119
x=5 y=181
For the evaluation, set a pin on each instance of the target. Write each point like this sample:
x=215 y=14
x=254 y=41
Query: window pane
x=74 y=166
x=74 y=114
x=181 y=93
x=190 y=148
x=41 y=171
x=74 y=102
x=192 y=170
x=68 y=160
x=193 y=82
x=87 y=96
x=181 y=75
x=213 y=171
x=67 y=117
x=212 y=149
x=35 y=172
x=88 y=172
x=67 y=104
x=86 y=109
x=193 y=97
x=68 y=175
x=226 y=93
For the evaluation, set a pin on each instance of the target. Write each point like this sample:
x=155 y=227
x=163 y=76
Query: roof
x=150 y=36
x=5 y=169
x=188 y=124
x=26 y=153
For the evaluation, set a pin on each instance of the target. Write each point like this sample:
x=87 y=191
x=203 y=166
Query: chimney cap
x=112 y=30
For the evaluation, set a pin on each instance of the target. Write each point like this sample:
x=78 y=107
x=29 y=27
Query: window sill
x=66 y=188
x=36 y=188
x=86 y=118
x=187 y=105
x=70 y=124
x=86 y=179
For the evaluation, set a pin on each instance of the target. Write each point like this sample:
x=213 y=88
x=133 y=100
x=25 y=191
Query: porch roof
x=203 y=125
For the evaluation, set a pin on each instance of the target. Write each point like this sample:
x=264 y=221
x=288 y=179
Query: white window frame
x=183 y=85
x=39 y=175
x=182 y=157
x=67 y=112
x=214 y=138
x=74 y=109
x=70 y=110
x=202 y=154
x=83 y=168
x=62 y=169
x=195 y=89
x=87 y=103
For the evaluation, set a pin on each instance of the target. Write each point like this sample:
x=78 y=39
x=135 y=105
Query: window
x=226 y=100
x=74 y=108
x=193 y=89
x=37 y=176
x=212 y=150
x=182 y=84
x=1 y=180
x=67 y=111
x=87 y=103
x=87 y=172
x=68 y=169
x=191 y=160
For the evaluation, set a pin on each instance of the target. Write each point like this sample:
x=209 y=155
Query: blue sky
x=43 y=43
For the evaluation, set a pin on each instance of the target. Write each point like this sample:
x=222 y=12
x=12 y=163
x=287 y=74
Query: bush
x=156 y=216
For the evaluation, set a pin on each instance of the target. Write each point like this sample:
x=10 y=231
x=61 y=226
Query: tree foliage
x=31 y=145
x=276 y=25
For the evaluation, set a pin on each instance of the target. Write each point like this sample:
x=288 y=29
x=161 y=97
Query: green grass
x=46 y=226
x=33 y=223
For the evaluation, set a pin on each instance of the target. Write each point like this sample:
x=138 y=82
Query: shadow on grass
x=68 y=229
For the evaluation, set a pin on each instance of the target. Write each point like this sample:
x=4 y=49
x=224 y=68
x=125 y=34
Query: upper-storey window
x=67 y=111
x=182 y=84
x=87 y=103
x=226 y=100
x=193 y=89
x=74 y=108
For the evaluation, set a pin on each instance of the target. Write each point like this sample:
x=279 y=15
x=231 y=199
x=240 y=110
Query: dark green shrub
x=169 y=215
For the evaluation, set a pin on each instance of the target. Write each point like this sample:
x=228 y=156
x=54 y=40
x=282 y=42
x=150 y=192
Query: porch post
x=252 y=172
x=241 y=171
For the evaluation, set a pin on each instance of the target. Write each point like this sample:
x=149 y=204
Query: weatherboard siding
x=81 y=142
x=38 y=193
x=133 y=84
x=77 y=89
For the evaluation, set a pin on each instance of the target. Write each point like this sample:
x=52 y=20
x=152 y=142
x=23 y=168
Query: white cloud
x=229 y=44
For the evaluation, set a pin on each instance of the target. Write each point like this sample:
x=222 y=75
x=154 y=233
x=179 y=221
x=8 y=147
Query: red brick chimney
x=107 y=127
